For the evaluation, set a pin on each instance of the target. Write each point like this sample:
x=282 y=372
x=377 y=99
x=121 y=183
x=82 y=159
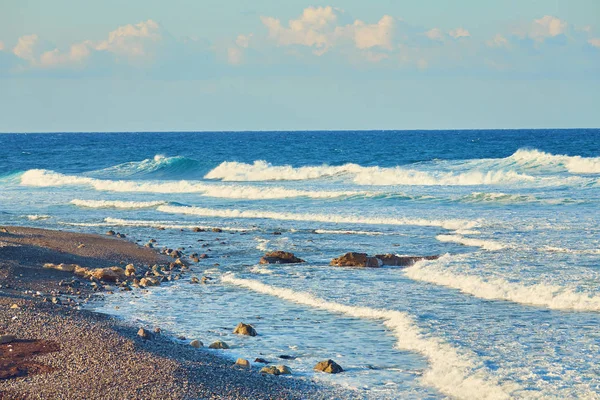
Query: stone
x=157 y=330
x=111 y=274
x=284 y=370
x=62 y=267
x=261 y=360
x=144 y=334
x=110 y=233
x=14 y=306
x=130 y=270
x=194 y=280
x=402 y=261
x=218 y=345
x=149 y=281
x=206 y=279
x=81 y=271
x=203 y=255
x=271 y=370
x=217 y=230
x=356 y=260
x=276 y=233
x=329 y=366
x=198 y=229
x=280 y=257
x=149 y=245
x=196 y=343
x=81 y=246
x=7 y=339
x=56 y=300
x=286 y=357
x=121 y=235
x=244 y=329
x=241 y=362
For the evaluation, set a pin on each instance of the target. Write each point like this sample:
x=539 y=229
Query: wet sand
x=64 y=352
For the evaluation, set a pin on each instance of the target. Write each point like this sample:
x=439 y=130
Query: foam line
x=452 y=373
x=543 y=295
x=484 y=244
x=452 y=224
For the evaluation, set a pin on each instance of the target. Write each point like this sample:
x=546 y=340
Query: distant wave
x=507 y=170
x=45 y=178
x=159 y=166
x=451 y=372
x=347 y=232
x=544 y=295
x=116 y=204
x=37 y=217
x=451 y=224
x=553 y=249
x=484 y=244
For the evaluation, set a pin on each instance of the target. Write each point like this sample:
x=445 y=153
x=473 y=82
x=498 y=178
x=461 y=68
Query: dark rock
x=198 y=229
x=244 y=329
x=203 y=255
x=217 y=230
x=145 y=334
x=261 y=360
x=329 y=366
x=194 y=280
x=280 y=257
x=356 y=260
x=111 y=233
x=402 y=261
x=286 y=357
x=276 y=233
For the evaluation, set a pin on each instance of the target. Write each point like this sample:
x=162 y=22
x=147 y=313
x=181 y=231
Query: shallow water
x=510 y=310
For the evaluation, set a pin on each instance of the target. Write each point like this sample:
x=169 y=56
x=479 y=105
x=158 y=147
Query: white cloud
x=459 y=33
x=435 y=34
x=25 y=47
x=77 y=55
x=595 y=42
x=1 y=45
x=235 y=55
x=547 y=26
x=314 y=28
x=243 y=41
x=366 y=36
x=132 y=41
x=497 y=41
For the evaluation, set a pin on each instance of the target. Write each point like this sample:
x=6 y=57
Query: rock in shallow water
x=218 y=345
x=241 y=362
x=196 y=343
x=329 y=366
x=402 y=261
x=280 y=257
x=244 y=329
x=271 y=370
x=356 y=260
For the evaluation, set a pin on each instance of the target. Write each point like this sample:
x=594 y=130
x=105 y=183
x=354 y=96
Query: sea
x=510 y=309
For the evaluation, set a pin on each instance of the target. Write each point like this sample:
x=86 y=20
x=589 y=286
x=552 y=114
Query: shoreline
x=63 y=351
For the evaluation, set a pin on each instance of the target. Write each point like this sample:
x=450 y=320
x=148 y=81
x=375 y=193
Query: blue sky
x=292 y=65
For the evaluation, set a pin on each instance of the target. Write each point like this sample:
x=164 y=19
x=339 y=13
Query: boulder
x=81 y=271
x=244 y=329
x=218 y=345
x=62 y=267
x=194 y=280
x=402 y=261
x=144 y=334
x=110 y=233
x=217 y=230
x=110 y=274
x=149 y=281
x=129 y=270
x=198 y=229
x=261 y=360
x=271 y=370
x=241 y=362
x=356 y=260
x=280 y=257
x=196 y=343
x=329 y=366
x=284 y=370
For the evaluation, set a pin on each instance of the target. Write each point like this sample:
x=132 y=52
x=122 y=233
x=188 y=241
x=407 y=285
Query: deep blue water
x=510 y=310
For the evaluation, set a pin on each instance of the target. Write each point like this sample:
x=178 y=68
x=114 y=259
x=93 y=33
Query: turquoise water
x=511 y=309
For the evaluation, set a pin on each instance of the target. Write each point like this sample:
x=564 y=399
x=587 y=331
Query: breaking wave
x=451 y=224
x=45 y=178
x=154 y=224
x=451 y=372
x=158 y=167
x=515 y=168
x=484 y=244
x=543 y=295
x=116 y=204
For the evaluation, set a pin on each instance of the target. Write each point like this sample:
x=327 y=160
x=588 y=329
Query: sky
x=218 y=65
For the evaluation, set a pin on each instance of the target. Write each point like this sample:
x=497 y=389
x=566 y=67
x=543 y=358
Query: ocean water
x=510 y=310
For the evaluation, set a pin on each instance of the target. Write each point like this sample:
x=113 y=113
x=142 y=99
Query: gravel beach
x=63 y=352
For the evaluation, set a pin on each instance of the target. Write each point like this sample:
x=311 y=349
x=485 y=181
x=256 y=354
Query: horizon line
x=303 y=130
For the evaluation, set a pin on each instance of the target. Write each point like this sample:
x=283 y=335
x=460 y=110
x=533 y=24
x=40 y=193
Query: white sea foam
x=153 y=224
x=451 y=372
x=347 y=232
x=484 y=244
x=573 y=164
x=262 y=244
x=557 y=297
x=37 y=217
x=116 y=204
x=553 y=249
x=45 y=178
x=451 y=224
